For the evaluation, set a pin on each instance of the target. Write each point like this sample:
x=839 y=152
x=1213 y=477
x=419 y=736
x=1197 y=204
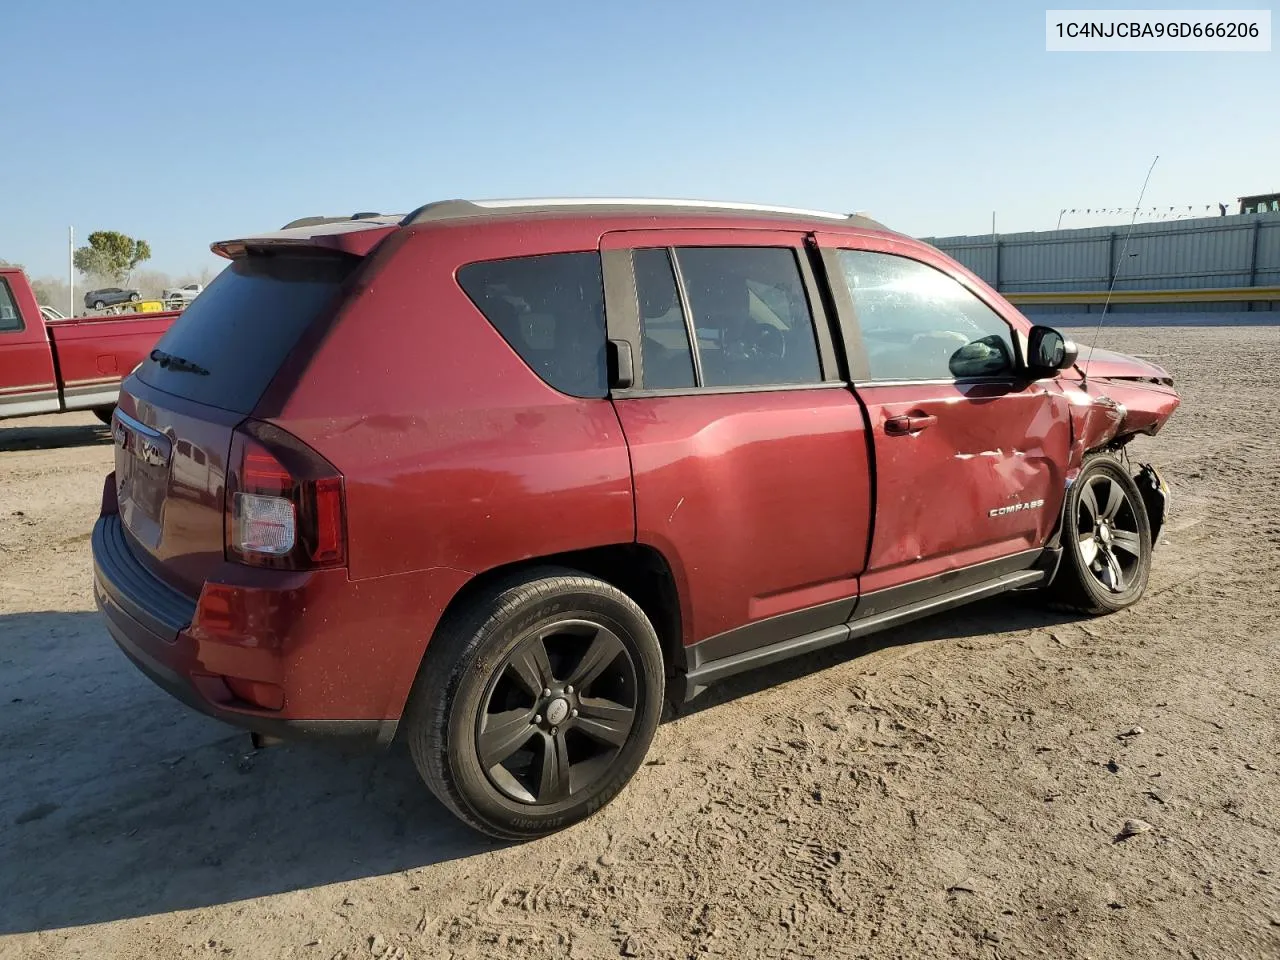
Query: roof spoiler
x=355 y=235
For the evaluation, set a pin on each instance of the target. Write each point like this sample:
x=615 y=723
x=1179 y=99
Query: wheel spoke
x=1114 y=572
x=531 y=666
x=1130 y=543
x=604 y=720
x=604 y=649
x=554 y=781
x=1115 y=500
x=503 y=734
x=1088 y=549
x=1089 y=501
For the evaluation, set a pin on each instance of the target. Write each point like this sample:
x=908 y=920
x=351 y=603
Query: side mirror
x=1048 y=351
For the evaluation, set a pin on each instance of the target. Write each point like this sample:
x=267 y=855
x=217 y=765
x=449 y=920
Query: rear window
x=243 y=326
x=10 y=319
x=551 y=310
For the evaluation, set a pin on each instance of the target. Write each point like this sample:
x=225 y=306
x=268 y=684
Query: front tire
x=536 y=703
x=104 y=413
x=1106 y=541
x=98 y=305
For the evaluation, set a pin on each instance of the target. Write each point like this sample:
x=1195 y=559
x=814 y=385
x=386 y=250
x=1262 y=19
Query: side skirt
x=1039 y=570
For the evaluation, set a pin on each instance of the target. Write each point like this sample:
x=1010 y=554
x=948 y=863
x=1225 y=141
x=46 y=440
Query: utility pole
x=71 y=269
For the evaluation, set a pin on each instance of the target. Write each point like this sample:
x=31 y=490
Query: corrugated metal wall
x=1229 y=251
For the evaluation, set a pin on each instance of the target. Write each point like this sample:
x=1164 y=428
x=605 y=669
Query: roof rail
x=457 y=209
x=654 y=202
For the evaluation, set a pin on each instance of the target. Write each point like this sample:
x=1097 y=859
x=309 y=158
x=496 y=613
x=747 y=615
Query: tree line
x=109 y=259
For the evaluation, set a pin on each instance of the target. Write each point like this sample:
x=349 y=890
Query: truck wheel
x=536 y=703
x=98 y=304
x=1106 y=542
x=104 y=413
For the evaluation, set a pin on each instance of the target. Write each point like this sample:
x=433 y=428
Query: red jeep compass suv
x=501 y=475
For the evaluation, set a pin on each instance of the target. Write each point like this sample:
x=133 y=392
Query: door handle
x=907 y=425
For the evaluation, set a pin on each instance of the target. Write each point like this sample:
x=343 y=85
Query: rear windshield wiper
x=170 y=362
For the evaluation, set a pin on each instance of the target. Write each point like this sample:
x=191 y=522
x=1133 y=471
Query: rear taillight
x=285 y=505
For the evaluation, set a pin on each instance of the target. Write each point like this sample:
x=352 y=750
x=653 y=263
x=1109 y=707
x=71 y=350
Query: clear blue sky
x=183 y=123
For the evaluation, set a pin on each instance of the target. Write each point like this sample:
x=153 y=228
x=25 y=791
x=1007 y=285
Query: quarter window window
x=918 y=323
x=551 y=310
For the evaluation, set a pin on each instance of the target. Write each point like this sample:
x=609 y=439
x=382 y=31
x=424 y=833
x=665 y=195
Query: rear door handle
x=912 y=423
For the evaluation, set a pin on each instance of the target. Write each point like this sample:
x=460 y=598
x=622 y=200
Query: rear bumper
x=149 y=622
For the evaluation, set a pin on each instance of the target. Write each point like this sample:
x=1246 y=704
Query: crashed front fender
x=1106 y=411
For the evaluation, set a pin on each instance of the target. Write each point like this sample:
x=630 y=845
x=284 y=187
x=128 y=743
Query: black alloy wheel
x=536 y=701
x=558 y=712
x=1106 y=541
x=1108 y=537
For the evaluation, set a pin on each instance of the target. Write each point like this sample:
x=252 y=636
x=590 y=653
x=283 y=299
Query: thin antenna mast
x=1115 y=273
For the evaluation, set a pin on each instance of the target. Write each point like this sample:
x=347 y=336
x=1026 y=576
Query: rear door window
x=750 y=315
x=666 y=361
x=550 y=309
x=241 y=329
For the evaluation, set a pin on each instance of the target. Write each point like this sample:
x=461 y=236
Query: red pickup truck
x=74 y=364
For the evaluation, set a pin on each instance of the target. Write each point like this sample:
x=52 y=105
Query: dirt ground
x=954 y=789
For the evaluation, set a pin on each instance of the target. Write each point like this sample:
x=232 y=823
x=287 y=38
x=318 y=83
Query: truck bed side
x=75 y=364
x=92 y=356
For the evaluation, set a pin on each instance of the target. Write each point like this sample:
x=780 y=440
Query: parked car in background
x=182 y=295
x=109 y=297
x=50 y=364
x=502 y=475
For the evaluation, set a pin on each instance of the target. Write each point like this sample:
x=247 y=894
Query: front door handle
x=907 y=425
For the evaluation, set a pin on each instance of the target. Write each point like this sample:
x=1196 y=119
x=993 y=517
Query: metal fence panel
x=1230 y=251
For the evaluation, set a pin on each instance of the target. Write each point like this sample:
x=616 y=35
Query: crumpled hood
x=1116 y=366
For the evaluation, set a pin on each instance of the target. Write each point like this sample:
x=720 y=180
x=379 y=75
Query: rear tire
x=517 y=762
x=1106 y=542
x=98 y=305
x=134 y=298
x=104 y=413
